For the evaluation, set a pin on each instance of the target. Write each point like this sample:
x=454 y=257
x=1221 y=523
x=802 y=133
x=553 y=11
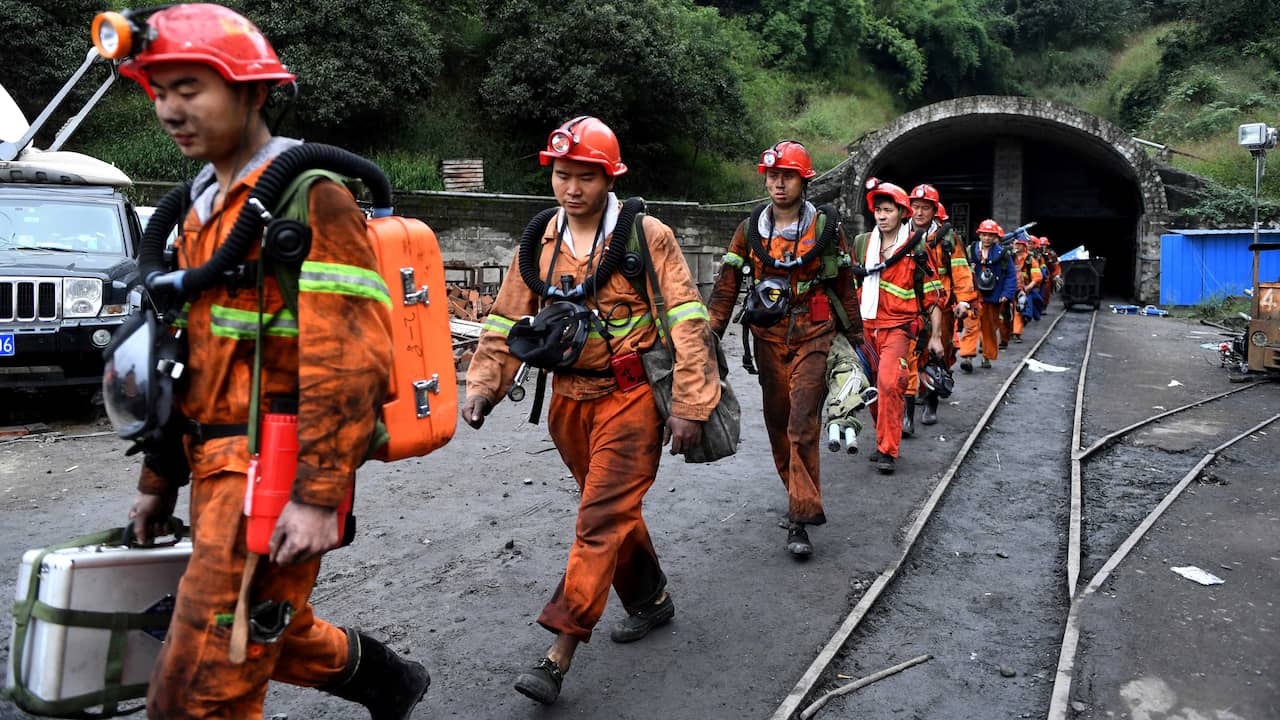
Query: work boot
x=886 y=465
x=966 y=364
x=986 y=363
x=1003 y=344
x=873 y=456
x=541 y=682
x=379 y=679
x=930 y=414
x=909 y=416
x=1017 y=338
x=636 y=626
x=798 y=541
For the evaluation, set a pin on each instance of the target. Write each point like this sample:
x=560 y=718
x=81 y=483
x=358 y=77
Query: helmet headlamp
x=769 y=158
x=561 y=141
x=120 y=35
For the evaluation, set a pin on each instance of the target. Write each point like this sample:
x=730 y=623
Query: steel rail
x=1077 y=506
x=1111 y=437
x=1060 y=701
x=791 y=703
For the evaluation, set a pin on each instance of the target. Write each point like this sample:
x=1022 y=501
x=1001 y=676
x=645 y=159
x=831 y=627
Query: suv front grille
x=28 y=299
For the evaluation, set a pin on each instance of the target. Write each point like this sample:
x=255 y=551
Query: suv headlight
x=81 y=297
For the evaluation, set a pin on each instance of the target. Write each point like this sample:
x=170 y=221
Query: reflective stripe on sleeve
x=734 y=260
x=692 y=310
x=343 y=280
x=498 y=324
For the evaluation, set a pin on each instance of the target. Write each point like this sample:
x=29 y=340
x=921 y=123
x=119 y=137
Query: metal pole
x=9 y=151
x=74 y=122
x=1259 y=158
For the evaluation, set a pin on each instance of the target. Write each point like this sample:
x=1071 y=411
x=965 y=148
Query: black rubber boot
x=379 y=679
x=930 y=414
x=909 y=417
x=798 y=541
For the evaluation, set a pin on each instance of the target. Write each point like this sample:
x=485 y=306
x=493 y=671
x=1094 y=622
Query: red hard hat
x=877 y=188
x=585 y=139
x=990 y=226
x=211 y=35
x=926 y=192
x=1044 y=241
x=942 y=215
x=787 y=155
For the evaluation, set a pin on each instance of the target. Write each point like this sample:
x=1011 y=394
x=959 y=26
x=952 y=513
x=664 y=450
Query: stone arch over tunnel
x=1082 y=179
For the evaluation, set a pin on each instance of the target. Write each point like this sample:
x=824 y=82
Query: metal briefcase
x=89 y=622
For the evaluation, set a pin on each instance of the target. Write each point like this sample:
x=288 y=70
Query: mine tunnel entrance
x=1076 y=187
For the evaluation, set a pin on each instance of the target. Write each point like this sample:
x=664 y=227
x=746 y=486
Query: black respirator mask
x=553 y=339
x=985 y=280
x=768 y=301
x=937 y=378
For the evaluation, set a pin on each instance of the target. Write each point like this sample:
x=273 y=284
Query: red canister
x=271 y=476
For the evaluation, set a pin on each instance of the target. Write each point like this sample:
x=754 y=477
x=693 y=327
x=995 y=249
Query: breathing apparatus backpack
x=913 y=248
x=768 y=299
x=419 y=412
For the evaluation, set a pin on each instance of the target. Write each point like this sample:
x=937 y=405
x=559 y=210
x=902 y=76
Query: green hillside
x=697 y=89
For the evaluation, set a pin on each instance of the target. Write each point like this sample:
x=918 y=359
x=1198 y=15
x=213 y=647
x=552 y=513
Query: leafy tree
x=657 y=71
x=960 y=52
x=813 y=34
x=1068 y=23
x=44 y=42
x=360 y=63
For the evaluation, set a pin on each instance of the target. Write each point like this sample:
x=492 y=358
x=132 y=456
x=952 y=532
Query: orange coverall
x=988 y=323
x=791 y=357
x=891 y=334
x=335 y=359
x=1029 y=277
x=611 y=440
x=957 y=286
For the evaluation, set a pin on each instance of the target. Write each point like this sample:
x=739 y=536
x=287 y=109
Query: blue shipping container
x=1196 y=265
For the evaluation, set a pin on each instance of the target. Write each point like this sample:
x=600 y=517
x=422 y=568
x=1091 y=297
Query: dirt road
x=458 y=552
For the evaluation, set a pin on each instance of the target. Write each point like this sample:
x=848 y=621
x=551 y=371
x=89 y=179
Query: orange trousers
x=193 y=677
x=1011 y=323
x=793 y=386
x=894 y=346
x=986 y=326
x=612 y=445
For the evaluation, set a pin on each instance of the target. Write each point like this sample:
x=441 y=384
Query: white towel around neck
x=870 y=303
x=612 y=207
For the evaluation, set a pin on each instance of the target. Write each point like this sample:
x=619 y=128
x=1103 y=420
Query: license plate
x=6 y=345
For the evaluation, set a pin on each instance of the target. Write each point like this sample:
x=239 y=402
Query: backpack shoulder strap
x=860 y=247
x=294 y=204
x=634 y=241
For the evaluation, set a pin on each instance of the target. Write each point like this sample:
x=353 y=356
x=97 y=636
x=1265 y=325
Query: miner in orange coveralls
x=209 y=71
x=1029 y=278
x=801 y=296
x=1052 y=270
x=602 y=418
x=995 y=280
x=900 y=301
x=948 y=256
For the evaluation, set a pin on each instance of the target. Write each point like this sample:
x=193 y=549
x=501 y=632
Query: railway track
x=931 y=598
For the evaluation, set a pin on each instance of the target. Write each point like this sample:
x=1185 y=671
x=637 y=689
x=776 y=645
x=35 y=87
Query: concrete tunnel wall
x=1014 y=158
